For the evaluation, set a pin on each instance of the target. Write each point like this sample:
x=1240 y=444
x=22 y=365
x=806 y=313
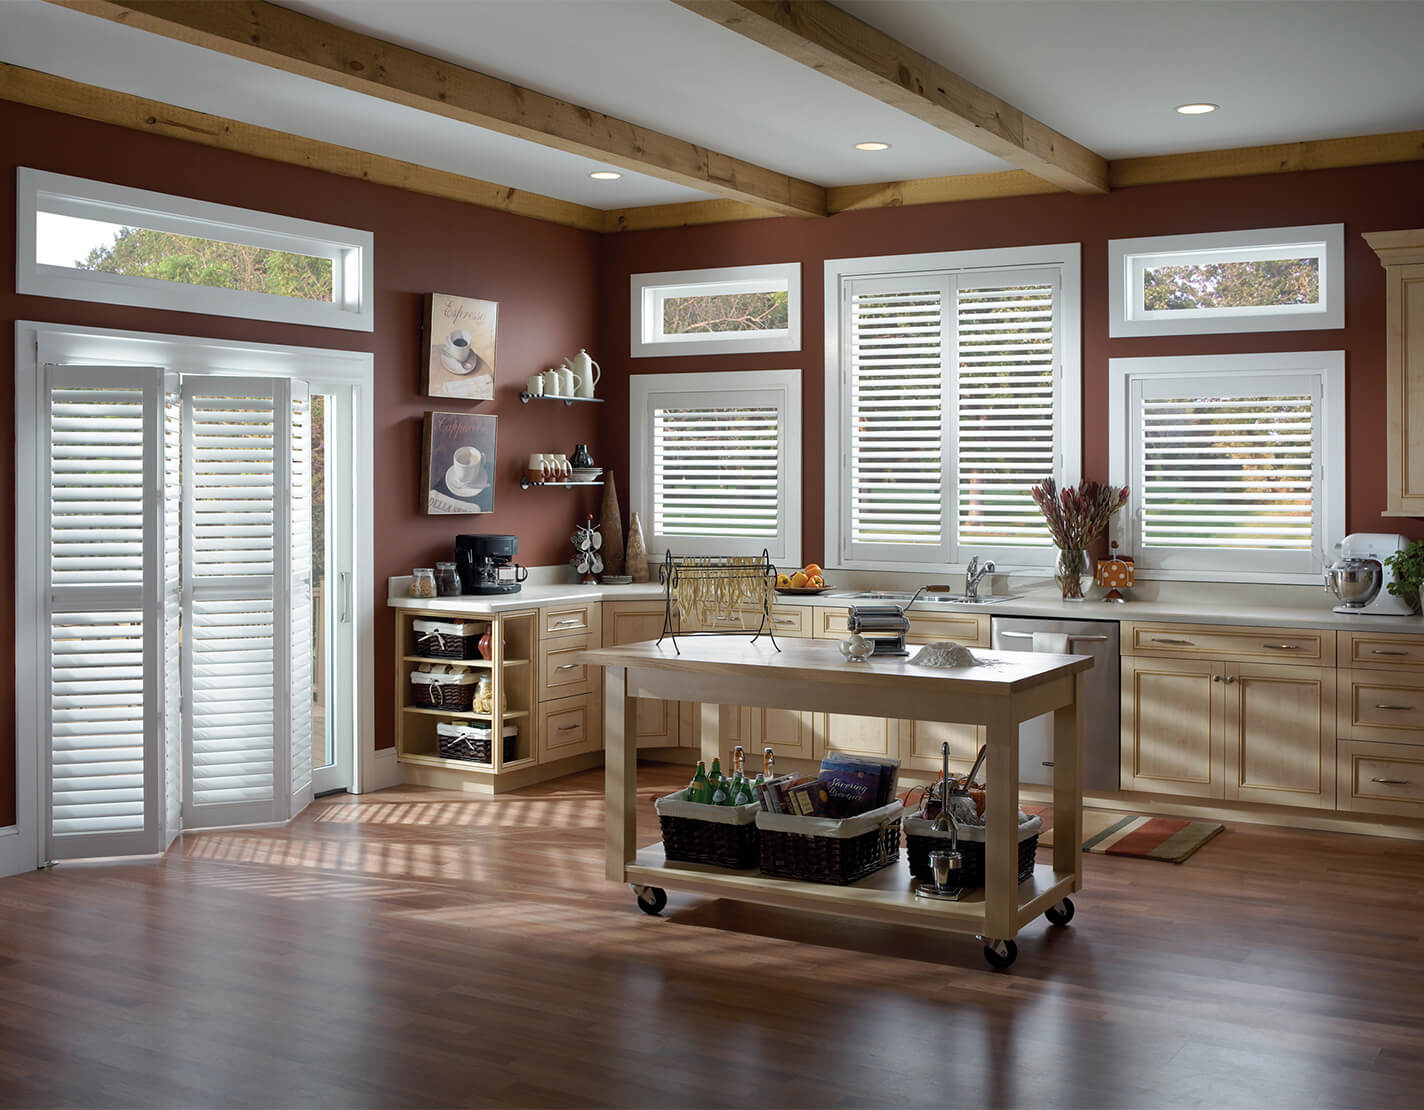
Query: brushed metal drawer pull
x=1383 y=651
x=1161 y=640
x=567 y=666
x=1391 y=782
x=569 y=728
x=1282 y=647
x=1399 y=707
x=566 y=623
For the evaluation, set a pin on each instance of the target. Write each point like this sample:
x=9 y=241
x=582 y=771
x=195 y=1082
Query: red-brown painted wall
x=1371 y=198
x=543 y=276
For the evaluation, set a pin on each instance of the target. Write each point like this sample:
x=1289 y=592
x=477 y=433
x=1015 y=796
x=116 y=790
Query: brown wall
x=1366 y=199
x=543 y=277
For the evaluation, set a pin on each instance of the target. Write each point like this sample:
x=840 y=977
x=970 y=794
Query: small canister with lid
x=447 y=582
x=422 y=582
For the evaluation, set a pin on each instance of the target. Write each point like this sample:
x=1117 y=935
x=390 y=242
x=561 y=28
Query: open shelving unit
x=526 y=397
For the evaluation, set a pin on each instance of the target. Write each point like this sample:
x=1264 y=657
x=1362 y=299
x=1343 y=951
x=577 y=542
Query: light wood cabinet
x=1173 y=729
x=1402 y=255
x=1380 y=704
x=1372 y=650
x=1245 y=644
x=628 y=622
x=570 y=726
x=1381 y=778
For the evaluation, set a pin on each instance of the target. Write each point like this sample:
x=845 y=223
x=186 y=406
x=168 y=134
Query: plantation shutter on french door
x=110 y=613
x=246 y=659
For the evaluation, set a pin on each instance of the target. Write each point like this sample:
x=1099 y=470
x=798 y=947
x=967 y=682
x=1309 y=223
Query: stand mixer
x=1360 y=577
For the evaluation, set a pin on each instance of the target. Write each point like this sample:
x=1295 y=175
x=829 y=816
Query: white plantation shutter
x=1007 y=408
x=896 y=359
x=716 y=472
x=301 y=664
x=1227 y=464
x=103 y=437
x=172 y=609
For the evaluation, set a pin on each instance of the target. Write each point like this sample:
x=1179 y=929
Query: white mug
x=553 y=387
x=535 y=386
x=467 y=464
x=457 y=345
x=568 y=384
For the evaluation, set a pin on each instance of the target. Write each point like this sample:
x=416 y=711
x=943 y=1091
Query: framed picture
x=459 y=347
x=457 y=471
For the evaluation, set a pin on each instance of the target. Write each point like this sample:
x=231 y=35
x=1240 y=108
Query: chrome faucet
x=972 y=575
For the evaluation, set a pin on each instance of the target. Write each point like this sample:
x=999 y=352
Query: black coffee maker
x=486 y=564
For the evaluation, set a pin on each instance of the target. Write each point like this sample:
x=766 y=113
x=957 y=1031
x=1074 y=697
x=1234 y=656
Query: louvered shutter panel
x=172 y=609
x=236 y=460
x=895 y=346
x=299 y=574
x=716 y=472
x=1226 y=463
x=1007 y=419
x=104 y=441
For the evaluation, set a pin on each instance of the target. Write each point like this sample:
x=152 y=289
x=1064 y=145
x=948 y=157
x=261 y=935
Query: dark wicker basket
x=454 y=696
x=692 y=841
x=444 y=642
x=473 y=746
x=829 y=859
x=971 y=870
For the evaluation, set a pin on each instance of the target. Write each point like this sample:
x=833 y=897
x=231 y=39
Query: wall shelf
x=487 y=663
x=525 y=483
x=525 y=398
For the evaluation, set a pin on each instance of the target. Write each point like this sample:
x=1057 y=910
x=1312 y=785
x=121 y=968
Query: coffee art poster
x=459 y=351
x=458 y=468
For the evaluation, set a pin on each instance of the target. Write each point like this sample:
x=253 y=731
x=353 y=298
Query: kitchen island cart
x=1008 y=688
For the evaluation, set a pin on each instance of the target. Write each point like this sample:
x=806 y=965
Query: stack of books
x=845 y=786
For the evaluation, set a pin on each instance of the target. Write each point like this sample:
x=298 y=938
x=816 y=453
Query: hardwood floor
x=418 y=947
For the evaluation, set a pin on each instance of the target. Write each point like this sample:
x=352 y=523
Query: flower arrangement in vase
x=1076 y=517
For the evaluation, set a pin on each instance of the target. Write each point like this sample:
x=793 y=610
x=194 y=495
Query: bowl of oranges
x=807 y=580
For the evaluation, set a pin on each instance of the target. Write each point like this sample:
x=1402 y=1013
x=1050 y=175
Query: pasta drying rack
x=733 y=581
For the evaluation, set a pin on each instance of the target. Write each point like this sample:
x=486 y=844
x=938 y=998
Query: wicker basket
x=471 y=743
x=447 y=639
x=921 y=839
x=821 y=850
x=452 y=690
x=724 y=836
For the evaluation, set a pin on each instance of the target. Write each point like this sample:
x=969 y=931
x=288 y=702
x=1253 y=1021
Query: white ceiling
x=1104 y=72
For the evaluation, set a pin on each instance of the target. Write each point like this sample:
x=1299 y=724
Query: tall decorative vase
x=1073 y=572
x=610 y=524
x=636 y=559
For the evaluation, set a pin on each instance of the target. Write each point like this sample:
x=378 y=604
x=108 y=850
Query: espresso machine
x=1360 y=576
x=486 y=564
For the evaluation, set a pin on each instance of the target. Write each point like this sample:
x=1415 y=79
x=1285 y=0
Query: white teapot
x=586 y=372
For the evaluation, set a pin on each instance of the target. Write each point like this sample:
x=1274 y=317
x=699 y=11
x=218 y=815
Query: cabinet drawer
x=965 y=628
x=569 y=726
x=569 y=620
x=1246 y=644
x=1378 y=705
x=1361 y=649
x=786 y=620
x=559 y=674
x=1381 y=778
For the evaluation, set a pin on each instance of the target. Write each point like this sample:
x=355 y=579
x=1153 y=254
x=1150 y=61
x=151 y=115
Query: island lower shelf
x=884 y=896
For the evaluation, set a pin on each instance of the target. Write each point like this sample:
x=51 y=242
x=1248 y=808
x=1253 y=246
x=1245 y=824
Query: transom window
x=721 y=311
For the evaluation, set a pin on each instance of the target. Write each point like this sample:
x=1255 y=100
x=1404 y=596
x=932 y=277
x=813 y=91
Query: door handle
x=1391 y=782
x=569 y=728
x=343 y=615
x=1382 y=651
x=1399 y=707
x=1163 y=640
x=565 y=623
x=567 y=666
x=1229 y=679
x=1282 y=647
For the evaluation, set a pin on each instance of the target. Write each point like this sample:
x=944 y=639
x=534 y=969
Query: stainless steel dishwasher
x=1101 y=706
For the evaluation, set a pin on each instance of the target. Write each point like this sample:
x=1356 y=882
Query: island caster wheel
x=1000 y=953
x=1060 y=914
x=651 y=899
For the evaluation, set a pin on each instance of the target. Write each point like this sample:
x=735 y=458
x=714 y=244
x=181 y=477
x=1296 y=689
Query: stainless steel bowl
x=1355 y=581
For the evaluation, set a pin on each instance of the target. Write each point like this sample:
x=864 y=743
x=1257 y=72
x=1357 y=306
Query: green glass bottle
x=700 y=789
x=742 y=796
x=720 y=796
x=714 y=776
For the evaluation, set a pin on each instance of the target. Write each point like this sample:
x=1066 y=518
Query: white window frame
x=1128 y=259
x=1066 y=259
x=715 y=389
x=1329 y=517
x=350 y=251
x=649 y=291
x=328 y=370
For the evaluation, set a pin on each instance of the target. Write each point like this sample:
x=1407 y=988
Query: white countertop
x=1040 y=602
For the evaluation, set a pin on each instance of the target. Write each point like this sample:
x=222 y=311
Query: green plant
x=1408 y=567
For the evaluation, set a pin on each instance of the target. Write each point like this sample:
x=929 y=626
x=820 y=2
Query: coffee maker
x=486 y=564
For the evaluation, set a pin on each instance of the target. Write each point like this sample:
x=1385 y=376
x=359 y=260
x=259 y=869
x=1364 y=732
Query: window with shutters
x=953 y=389
x=717 y=462
x=730 y=310
x=1234 y=463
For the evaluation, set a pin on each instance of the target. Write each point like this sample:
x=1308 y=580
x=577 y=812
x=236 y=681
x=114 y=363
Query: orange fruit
x=811 y=570
x=798 y=580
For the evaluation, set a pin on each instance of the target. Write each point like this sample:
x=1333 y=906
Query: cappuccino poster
x=457 y=471
x=459 y=351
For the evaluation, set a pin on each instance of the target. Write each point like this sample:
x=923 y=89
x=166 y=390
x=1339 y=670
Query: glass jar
x=422 y=582
x=1073 y=572
x=446 y=580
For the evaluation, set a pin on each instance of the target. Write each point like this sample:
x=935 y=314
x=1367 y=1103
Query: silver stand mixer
x=1360 y=576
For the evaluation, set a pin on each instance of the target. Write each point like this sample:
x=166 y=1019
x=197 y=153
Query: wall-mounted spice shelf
x=525 y=483
x=525 y=398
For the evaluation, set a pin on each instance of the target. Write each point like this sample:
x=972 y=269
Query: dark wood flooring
x=423 y=948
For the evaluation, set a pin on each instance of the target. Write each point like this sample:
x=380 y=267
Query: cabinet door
x=790 y=733
x=1404 y=389
x=920 y=745
x=629 y=623
x=861 y=735
x=1172 y=726
x=1280 y=734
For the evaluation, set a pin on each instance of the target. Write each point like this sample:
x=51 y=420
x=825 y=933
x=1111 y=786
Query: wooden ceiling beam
x=294 y=43
x=850 y=51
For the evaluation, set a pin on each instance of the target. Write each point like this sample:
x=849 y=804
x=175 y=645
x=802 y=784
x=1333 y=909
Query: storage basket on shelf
x=443 y=688
x=693 y=832
x=447 y=639
x=921 y=839
x=823 y=850
x=472 y=742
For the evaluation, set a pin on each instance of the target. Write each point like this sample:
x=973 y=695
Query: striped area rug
x=1172 y=839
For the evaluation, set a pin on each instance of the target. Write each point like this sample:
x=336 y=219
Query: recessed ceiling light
x=605 y=175
x=872 y=146
x=1196 y=109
